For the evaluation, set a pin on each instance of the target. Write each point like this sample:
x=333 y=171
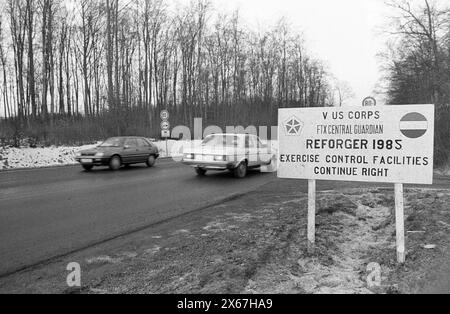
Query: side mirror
x=126 y=147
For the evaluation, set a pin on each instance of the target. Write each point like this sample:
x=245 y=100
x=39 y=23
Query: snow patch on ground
x=17 y=158
x=103 y=260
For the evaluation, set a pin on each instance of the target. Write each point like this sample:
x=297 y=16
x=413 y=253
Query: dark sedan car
x=119 y=151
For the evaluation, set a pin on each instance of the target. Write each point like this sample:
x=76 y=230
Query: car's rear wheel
x=115 y=163
x=151 y=160
x=200 y=172
x=87 y=167
x=241 y=171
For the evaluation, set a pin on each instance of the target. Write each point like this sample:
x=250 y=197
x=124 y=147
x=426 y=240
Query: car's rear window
x=222 y=140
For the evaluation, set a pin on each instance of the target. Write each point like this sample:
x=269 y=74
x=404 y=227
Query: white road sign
x=165 y=125
x=369 y=102
x=165 y=134
x=165 y=115
x=391 y=144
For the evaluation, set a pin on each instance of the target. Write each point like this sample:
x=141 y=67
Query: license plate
x=86 y=161
x=204 y=158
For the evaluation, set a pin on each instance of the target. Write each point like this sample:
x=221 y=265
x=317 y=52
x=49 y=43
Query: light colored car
x=234 y=152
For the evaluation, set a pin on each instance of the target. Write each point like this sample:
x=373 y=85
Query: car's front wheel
x=241 y=171
x=115 y=163
x=200 y=172
x=87 y=167
x=151 y=160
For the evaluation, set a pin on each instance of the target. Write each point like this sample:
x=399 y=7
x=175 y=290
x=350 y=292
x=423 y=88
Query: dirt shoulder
x=257 y=244
x=427 y=269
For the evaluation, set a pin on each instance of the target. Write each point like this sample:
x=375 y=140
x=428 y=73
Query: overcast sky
x=343 y=33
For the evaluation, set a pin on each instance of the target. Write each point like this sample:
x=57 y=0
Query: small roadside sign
x=165 y=126
x=165 y=134
x=165 y=115
x=369 y=102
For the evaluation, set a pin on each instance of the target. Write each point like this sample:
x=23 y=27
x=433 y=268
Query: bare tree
x=18 y=24
x=3 y=60
x=343 y=92
x=30 y=9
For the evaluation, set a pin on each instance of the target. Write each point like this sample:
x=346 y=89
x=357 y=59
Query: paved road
x=45 y=213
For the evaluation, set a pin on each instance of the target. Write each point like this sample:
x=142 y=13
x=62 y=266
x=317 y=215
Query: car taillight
x=189 y=156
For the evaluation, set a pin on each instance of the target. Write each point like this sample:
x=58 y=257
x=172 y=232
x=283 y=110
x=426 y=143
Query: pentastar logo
x=293 y=126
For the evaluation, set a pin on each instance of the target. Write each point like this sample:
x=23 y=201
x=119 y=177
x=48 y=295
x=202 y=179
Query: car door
x=264 y=152
x=131 y=151
x=252 y=151
x=144 y=149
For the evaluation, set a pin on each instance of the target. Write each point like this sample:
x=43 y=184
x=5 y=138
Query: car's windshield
x=113 y=142
x=221 y=140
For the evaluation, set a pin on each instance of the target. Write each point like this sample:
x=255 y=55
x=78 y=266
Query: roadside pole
x=400 y=223
x=165 y=128
x=311 y=215
x=167 y=147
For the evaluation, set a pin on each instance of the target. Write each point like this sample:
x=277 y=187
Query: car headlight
x=78 y=154
x=189 y=156
x=220 y=158
x=99 y=154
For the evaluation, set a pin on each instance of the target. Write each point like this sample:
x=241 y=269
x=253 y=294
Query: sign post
x=311 y=215
x=400 y=223
x=165 y=128
x=386 y=144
